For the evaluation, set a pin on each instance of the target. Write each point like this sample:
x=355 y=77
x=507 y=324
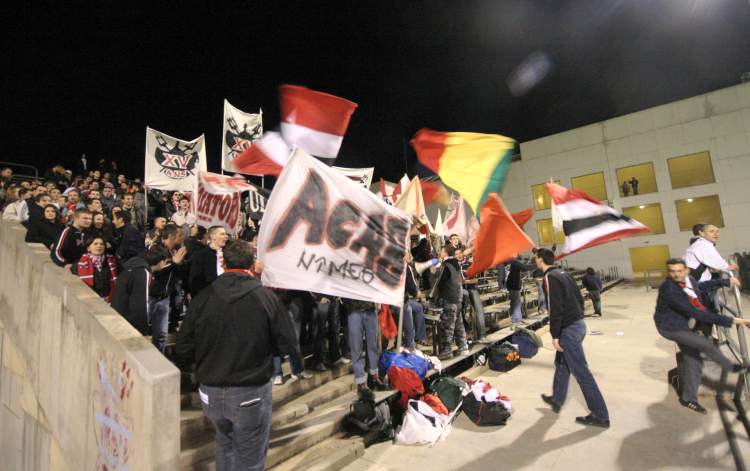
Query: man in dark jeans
x=231 y=331
x=593 y=285
x=565 y=305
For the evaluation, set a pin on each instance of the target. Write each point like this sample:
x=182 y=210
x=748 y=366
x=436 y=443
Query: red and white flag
x=313 y=121
x=586 y=222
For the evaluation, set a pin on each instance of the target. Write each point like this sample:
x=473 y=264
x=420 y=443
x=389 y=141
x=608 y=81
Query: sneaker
x=343 y=361
x=463 y=351
x=694 y=406
x=446 y=355
x=303 y=375
x=593 y=421
x=320 y=367
x=551 y=401
x=278 y=381
x=374 y=382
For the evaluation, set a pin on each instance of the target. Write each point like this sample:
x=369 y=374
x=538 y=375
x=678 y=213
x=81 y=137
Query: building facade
x=691 y=163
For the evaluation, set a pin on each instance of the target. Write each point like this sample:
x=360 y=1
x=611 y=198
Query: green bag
x=449 y=390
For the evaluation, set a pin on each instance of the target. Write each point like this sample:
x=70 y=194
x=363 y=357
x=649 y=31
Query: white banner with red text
x=219 y=199
x=324 y=233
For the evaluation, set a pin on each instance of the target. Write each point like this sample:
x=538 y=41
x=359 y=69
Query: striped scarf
x=88 y=263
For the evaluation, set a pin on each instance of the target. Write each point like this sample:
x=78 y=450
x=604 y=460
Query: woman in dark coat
x=46 y=230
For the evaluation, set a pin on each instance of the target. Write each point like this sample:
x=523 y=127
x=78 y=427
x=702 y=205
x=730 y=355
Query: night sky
x=90 y=80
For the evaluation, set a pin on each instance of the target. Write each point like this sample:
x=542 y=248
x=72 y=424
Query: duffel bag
x=527 y=348
x=484 y=413
x=449 y=390
x=503 y=357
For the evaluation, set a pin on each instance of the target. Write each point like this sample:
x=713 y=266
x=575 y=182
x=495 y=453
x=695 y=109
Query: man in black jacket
x=231 y=331
x=128 y=241
x=593 y=285
x=678 y=303
x=450 y=294
x=568 y=330
x=165 y=284
x=130 y=296
x=69 y=247
x=206 y=264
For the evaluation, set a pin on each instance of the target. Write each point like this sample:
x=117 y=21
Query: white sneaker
x=277 y=381
x=303 y=375
x=343 y=361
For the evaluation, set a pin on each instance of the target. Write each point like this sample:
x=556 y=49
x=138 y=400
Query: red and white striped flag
x=313 y=121
x=586 y=222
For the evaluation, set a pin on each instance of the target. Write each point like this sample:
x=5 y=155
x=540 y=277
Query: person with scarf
x=97 y=269
x=678 y=303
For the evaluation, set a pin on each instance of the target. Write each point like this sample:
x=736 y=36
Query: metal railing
x=728 y=302
x=21 y=175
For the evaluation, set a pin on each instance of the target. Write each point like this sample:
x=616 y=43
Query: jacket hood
x=135 y=262
x=233 y=286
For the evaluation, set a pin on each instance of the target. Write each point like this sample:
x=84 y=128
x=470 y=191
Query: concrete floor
x=650 y=430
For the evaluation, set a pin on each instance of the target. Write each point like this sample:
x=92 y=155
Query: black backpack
x=365 y=416
x=483 y=412
x=503 y=357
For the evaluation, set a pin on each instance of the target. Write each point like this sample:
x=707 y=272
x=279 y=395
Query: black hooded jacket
x=232 y=330
x=130 y=296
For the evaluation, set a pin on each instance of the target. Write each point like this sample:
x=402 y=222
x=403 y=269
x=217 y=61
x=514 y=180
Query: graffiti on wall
x=113 y=425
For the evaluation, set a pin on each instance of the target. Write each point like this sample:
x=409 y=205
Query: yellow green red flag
x=471 y=163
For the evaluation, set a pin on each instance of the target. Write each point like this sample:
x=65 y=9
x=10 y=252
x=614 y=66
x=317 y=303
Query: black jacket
x=592 y=282
x=563 y=299
x=69 y=246
x=44 y=232
x=130 y=294
x=411 y=289
x=128 y=242
x=513 y=283
x=673 y=308
x=202 y=269
x=232 y=330
x=450 y=283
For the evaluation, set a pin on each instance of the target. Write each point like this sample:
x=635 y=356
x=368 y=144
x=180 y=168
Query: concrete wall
x=718 y=122
x=80 y=389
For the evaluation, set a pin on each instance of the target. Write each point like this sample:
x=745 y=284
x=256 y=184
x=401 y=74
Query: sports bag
x=449 y=390
x=365 y=416
x=484 y=413
x=527 y=347
x=503 y=357
x=416 y=363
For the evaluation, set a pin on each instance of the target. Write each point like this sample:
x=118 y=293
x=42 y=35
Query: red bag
x=436 y=404
x=387 y=324
x=405 y=381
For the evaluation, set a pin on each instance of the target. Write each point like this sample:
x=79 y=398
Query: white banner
x=173 y=164
x=218 y=202
x=363 y=176
x=323 y=232
x=240 y=130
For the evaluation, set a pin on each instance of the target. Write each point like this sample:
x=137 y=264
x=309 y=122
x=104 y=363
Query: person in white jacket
x=702 y=257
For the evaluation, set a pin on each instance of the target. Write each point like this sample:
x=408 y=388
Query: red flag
x=387 y=324
x=522 y=217
x=434 y=191
x=499 y=239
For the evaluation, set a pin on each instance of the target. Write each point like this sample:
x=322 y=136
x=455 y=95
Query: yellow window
x=593 y=184
x=652 y=259
x=700 y=210
x=691 y=170
x=547 y=234
x=645 y=179
x=648 y=214
x=541 y=197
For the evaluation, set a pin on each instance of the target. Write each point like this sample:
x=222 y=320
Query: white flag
x=363 y=176
x=218 y=202
x=240 y=130
x=324 y=233
x=171 y=163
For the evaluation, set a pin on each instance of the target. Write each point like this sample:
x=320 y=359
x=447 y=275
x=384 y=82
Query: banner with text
x=256 y=203
x=240 y=130
x=363 y=176
x=324 y=233
x=218 y=202
x=171 y=163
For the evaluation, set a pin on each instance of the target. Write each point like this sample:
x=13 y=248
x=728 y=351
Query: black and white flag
x=240 y=130
x=171 y=163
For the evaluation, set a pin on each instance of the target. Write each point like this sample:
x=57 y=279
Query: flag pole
x=400 y=327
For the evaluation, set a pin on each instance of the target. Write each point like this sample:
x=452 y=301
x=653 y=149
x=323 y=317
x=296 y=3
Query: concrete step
x=331 y=454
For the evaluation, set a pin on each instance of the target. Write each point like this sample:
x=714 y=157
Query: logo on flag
x=363 y=176
x=324 y=233
x=240 y=130
x=171 y=163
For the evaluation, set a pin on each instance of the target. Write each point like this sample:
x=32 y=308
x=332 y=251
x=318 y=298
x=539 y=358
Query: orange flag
x=500 y=237
x=522 y=217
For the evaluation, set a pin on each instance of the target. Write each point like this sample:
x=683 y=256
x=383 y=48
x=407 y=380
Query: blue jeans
x=516 y=315
x=242 y=419
x=363 y=323
x=417 y=315
x=158 y=316
x=573 y=360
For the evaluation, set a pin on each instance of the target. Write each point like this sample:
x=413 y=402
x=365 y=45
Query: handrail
x=14 y=164
x=738 y=349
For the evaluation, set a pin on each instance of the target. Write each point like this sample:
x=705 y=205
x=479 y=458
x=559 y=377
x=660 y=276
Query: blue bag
x=417 y=364
x=527 y=348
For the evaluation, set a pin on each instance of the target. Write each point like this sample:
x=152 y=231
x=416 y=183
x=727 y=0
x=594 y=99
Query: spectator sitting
x=97 y=269
x=128 y=241
x=69 y=247
x=48 y=229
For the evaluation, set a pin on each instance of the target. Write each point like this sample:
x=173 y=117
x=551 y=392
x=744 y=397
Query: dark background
x=90 y=79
